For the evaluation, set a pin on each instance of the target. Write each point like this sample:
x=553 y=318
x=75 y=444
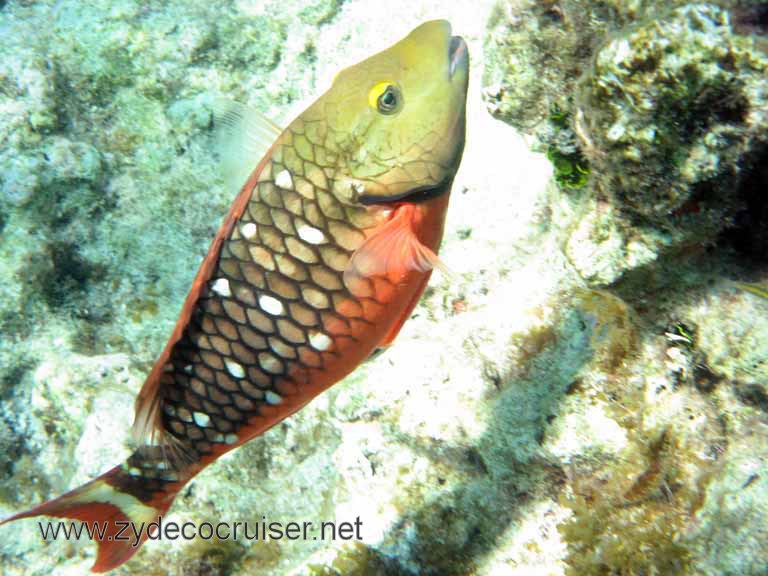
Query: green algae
x=571 y=168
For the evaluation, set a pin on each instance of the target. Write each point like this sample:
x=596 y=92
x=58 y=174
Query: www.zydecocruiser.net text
x=169 y=530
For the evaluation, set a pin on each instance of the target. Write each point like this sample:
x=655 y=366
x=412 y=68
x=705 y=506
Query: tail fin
x=113 y=501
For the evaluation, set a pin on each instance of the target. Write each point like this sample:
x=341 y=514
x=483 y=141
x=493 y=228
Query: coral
x=536 y=52
x=632 y=521
x=635 y=511
x=669 y=452
x=665 y=102
x=674 y=108
x=603 y=246
x=613 y=333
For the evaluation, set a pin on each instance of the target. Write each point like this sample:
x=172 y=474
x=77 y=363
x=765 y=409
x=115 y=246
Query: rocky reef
x=659 y=110
x=654 y=119
x=587 y=394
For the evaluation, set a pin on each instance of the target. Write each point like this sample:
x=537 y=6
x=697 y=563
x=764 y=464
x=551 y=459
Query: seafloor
x=588 y=394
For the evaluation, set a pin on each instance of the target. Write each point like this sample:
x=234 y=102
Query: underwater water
x=585 y=391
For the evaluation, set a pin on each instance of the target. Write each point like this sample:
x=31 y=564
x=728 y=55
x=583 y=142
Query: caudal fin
x=112 y=506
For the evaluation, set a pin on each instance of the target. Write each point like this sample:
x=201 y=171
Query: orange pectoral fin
x=391 y=252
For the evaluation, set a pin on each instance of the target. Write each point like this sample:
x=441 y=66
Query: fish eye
x=386 y=98
x=388 y=101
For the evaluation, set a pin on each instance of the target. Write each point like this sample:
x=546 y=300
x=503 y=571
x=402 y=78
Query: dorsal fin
x=243 y=135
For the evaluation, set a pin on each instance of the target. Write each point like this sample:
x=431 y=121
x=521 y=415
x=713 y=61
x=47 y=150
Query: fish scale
x=236 y=355
x=322 y=257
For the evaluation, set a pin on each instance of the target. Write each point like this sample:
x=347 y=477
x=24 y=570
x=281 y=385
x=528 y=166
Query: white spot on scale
x=311 y=235
x=270 y=305
x=221 y=287
x=133 y=471
x=230 y=438
x=248 y=230
x=284 y=180
x=270 y=363
x=188 y=368
x=201 y=419
x=273 y=398
x=319 y=341
x=234 y=368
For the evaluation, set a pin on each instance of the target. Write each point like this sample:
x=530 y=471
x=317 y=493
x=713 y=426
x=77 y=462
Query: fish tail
x=119 y=507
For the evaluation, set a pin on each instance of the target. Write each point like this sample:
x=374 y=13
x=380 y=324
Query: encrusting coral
x=666 y=114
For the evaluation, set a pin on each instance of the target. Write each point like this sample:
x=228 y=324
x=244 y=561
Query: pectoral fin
x=392 y=251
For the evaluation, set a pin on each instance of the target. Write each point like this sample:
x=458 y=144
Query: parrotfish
x=322 y=257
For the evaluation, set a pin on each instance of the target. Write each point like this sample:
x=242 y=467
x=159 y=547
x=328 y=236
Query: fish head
x=396 y=120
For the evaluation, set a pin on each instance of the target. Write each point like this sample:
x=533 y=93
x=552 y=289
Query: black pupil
x=388 y=98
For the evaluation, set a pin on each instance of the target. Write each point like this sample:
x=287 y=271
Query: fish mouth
x=415 y=195
x=458 y=55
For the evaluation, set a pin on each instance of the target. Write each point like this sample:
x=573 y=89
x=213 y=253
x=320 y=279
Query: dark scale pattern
x=275 y=305
x=146 y=472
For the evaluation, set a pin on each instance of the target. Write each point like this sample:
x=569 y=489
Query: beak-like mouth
x=457 y=54
x=415 y=195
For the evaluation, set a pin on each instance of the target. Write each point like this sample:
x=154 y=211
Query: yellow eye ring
x=386 y=97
